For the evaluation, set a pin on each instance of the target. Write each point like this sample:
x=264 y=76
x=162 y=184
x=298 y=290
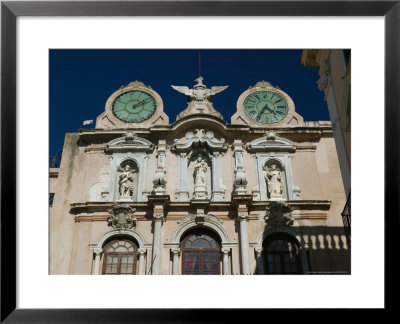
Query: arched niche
x=275 y=168
x=129 y=150
x=192 y=160
x=204 y=143
x=127 y=175
x=268 y=149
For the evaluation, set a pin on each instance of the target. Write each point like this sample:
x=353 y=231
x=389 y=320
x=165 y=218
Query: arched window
x=200 y=254
x=120 y=257
x=281 y=255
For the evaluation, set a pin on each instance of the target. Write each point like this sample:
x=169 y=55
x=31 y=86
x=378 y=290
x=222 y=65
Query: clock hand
x=262 y=111
x=141 y=103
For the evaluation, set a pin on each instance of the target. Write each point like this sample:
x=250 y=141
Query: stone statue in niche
x=273 y=177
x=200 y=178
x=126 y=181
x=200 y=170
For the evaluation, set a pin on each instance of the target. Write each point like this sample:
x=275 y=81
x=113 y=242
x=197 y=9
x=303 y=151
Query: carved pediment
x=270 y=142
x=130 y=142
x=201 y=137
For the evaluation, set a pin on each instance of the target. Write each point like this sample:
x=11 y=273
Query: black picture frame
x=10 y=10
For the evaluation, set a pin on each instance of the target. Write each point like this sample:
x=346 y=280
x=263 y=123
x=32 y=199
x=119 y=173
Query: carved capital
x=98 y=251
x=158 y=217
x=258 y=250
x=142 y=251
x=217 y=154
x=243 y=216
x=176 y=251
x=225 y=250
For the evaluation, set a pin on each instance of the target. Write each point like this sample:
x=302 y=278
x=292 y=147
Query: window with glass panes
x=281 y=256
x=200 y=254
x=120 y=257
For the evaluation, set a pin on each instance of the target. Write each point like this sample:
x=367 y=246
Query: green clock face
x=134 y=106
x=265 y=107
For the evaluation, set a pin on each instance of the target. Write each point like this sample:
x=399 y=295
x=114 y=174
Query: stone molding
x=117 y=232
x=271 y=142
x=130 y=142
x=189 y=221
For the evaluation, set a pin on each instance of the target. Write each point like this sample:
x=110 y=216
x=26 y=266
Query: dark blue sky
x=82 y=80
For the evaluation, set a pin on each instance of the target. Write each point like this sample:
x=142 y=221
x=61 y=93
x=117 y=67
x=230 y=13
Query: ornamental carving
x=191 y=221
x=199 y=99
x=136 y=84
x=279 y=214
x=205 y=218
x=158 y=217
x=262 y=84
x=202 y=137
x=121 y=217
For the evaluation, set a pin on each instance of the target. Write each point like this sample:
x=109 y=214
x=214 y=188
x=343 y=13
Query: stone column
x=156 y=258
x=243 y=218
x=142 y=264
x=175 y=260
x=96 y=268
x=260 y=260
x=225 y=260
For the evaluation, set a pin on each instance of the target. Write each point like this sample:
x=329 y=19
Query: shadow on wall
x=321 y=249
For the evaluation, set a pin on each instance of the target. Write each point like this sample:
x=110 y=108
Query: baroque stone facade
x=138 y=195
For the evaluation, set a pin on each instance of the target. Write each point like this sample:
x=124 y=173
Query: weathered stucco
x=78 y=218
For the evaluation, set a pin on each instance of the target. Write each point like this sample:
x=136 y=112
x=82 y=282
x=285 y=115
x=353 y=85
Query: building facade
x=137 y=194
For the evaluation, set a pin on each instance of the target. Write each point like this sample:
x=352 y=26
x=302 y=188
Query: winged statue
x=199 y=99
x=200 y=91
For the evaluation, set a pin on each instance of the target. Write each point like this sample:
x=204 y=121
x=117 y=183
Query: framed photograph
x=33 y=282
